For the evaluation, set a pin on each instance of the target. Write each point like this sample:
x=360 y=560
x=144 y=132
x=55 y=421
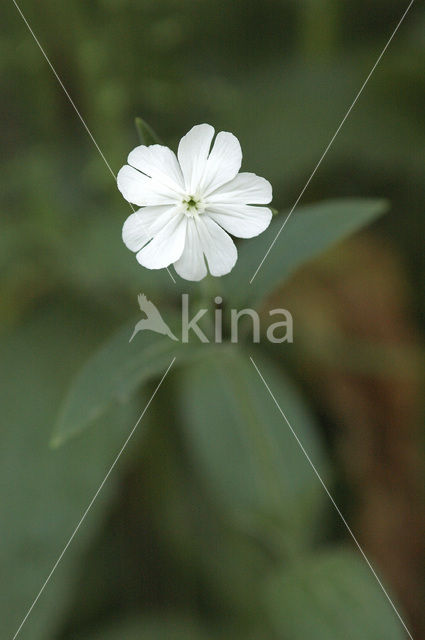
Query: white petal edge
x=191 y=264
x=217 y=245
x=241 y=220
x=223 y=162
x=142 y=190
x=142 y=225
x=160 y=163
x=245 y=188
x=193 y=153
x=167 y=246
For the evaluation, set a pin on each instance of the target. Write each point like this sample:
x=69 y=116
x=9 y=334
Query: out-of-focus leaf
x=244 y=450
x=332 y=595
x=146 y=134
x=114 y=373
x=212 y=557
x=43 y=493
x=310 y=231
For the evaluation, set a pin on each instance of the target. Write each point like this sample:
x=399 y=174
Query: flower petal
x=241 y=220
x=142 y=190
x=193 y=153
x=167 y=246
x=223 y=163
x=160 y=163
x=142 y=225
x=245 y=188
x=217 y=245
x=191 y=264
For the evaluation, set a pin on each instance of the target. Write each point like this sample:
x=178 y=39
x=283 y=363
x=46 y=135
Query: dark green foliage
x=212 y=524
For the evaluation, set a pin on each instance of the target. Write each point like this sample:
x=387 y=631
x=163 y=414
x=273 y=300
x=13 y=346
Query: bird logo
x=153 y=320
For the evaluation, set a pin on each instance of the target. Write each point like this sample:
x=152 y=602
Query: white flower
x=188 y=204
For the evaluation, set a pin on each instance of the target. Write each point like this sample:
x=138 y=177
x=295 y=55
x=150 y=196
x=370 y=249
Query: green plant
x=233 y=454
x=180 y=544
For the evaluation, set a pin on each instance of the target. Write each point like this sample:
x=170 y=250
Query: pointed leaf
x=146 y=134
x=309 y=231
x=115 y=372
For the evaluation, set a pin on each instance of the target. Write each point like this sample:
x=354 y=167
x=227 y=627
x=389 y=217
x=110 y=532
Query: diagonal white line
x=332 y=139
x=64 y=89
x=74 y=106
x=83 y=517
x=347 y=526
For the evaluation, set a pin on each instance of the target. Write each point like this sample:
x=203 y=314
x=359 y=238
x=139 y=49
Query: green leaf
x=147 y=135
x=43 y=493
x=309 y=231
x=243 y=448
x=332 y=595
x=115 y=372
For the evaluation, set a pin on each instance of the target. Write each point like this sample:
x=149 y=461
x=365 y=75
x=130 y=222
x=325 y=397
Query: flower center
x=193 y=206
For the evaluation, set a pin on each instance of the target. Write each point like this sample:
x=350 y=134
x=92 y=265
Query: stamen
x=193 y=206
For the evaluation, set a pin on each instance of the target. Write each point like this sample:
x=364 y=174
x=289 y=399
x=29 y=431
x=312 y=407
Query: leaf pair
x=116 y=371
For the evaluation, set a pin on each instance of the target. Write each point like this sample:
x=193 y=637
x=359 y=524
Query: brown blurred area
x=363 y=361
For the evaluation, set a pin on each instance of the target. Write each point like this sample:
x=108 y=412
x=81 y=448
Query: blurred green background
x=168 y=550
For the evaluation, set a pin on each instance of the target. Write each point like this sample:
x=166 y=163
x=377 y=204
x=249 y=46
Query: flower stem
x=208 y=290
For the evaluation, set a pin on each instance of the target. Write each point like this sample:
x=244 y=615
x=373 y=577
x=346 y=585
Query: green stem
x=208 y=290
